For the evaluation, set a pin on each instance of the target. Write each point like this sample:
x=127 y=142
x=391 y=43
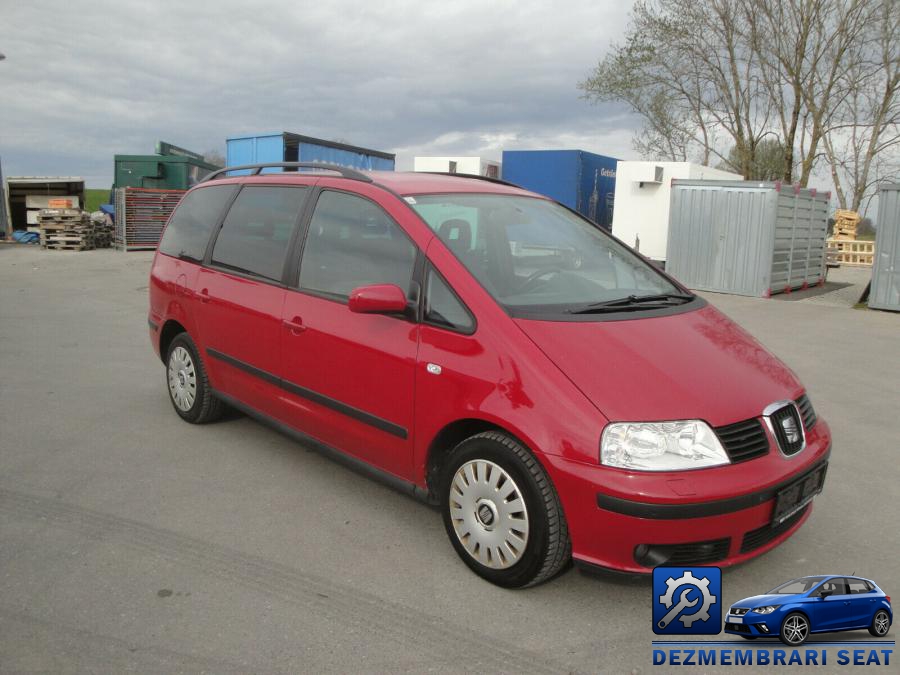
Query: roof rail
x=256 y=169
x=473 y=175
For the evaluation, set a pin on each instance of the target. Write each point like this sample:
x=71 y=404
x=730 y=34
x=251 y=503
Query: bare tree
x=815 y=78
x=862 y=143
x=214 y=157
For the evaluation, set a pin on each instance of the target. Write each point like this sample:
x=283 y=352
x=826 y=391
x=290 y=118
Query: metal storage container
x=746 y=237
x=885 y=291
x=161 y=172
x=287 y=147
x=581 y=180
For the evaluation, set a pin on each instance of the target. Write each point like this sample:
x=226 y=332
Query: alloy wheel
x=488 y=514
x=882 y=623
x=796 y=628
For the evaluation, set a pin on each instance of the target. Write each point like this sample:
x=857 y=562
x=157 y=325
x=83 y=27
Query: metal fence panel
x=885 y=291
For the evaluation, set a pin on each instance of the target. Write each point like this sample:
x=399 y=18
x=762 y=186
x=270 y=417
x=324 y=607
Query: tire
x=881 y=623
x=188 y=384
x=794 y=629
x=501 y=512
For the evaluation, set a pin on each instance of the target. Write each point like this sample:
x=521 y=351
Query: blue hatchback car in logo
x=819 y=604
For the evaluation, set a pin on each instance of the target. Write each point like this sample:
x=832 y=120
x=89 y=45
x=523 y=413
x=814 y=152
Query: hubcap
x=795 y=629
x=488 y=514
x=881 y=623
x=182 y=379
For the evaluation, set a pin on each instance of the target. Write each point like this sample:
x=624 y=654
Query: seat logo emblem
x=791 y=430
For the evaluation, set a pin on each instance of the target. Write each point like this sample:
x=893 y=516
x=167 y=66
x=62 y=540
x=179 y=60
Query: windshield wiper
x=633 y=302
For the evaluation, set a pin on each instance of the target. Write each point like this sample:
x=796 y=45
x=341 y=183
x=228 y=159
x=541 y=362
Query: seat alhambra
x=493 y=353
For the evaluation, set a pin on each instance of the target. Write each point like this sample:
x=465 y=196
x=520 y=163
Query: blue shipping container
x=288 y=147
x=581 y=180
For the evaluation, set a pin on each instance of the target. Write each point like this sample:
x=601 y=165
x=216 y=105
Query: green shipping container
x=164 y=172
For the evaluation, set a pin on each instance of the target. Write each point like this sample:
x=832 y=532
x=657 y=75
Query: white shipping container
x=643 y=200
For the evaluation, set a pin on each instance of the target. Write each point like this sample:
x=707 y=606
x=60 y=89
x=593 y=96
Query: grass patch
x=94 y=198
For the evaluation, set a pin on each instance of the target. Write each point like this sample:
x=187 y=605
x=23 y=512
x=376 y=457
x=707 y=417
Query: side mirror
x=825 y=594
x=377 y=299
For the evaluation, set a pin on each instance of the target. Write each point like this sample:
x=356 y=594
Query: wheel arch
x=454 y=433
x=167 y=333
x=797 y=610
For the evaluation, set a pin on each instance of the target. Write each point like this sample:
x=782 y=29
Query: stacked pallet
x=141 y=215
x=66 y=229
x=104 y=230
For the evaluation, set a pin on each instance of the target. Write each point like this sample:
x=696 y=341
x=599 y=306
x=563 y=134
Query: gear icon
x=700 y=584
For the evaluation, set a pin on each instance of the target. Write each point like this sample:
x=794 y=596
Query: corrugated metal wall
x=885 y=291
x=746 y=237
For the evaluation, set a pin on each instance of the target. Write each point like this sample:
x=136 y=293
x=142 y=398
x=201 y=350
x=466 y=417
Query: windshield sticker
x=409 y=200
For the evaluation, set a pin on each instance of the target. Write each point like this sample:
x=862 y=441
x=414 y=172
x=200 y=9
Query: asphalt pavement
x=131 y=541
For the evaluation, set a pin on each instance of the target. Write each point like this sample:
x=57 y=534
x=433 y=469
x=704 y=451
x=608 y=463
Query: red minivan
x=491 y=352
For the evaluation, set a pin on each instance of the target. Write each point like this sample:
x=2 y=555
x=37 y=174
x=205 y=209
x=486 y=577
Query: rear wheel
x=501 y=512
x=881 y=623
x=188 y=384
x=794 y=629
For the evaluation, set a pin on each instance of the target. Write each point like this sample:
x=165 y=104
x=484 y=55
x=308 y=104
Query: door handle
x=204 y=295
x=295 y=325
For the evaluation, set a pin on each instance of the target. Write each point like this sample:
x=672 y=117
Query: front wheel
x=794 y=630
x=188 y=383
x=501 y=512
x=881 y=623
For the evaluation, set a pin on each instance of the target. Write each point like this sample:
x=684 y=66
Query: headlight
x=661 y=446
x=768 y=609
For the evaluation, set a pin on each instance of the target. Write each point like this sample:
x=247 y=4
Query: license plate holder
x=794 y=497
x=735 y=619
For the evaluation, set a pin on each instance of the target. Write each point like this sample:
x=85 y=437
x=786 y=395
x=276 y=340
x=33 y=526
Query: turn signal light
x=888 y=598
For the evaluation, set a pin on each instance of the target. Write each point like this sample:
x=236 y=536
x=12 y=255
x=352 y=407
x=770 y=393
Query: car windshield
x=532 y=254
x=797 y=586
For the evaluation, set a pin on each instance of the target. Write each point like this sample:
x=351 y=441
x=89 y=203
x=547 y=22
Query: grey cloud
x=410 y=77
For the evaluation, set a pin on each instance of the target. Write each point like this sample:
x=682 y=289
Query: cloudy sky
x=83 y=81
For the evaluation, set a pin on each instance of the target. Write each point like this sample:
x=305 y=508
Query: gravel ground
x=133 y=542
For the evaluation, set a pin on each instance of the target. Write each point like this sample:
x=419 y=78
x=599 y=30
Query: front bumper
x=633 y=522
x=756 y=625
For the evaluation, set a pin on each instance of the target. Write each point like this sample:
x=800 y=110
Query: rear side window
x=859 y=586
x=257 y=231
x=187 y=233
x=443 y=308
x=351 y=243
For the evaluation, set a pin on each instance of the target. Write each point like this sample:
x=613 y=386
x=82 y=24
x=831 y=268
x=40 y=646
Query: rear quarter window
x=187 y=234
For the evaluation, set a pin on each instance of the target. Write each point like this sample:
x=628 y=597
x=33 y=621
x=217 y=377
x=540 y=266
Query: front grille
x=743 y=440
x=737 y=627
x=694 y=553
x=806 y=412
x=738 y=611
x=787 y=416
x=763 y=535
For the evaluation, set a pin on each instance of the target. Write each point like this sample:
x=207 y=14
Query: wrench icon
x=680 y=605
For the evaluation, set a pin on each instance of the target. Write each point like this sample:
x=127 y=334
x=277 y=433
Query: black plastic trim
x=719 y=507
x=314 y=396
x=401 y=485
x=153 y=326
x=256 y=169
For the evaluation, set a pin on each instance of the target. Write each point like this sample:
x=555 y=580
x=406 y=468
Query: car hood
x=763 y=600
x=692 y=365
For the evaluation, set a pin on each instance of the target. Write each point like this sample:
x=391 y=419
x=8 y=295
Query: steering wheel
x=537 y=274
